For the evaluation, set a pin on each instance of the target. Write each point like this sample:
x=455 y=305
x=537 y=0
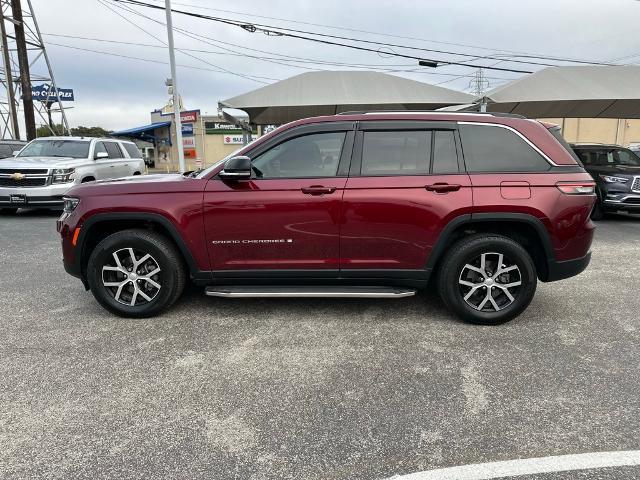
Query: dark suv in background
x=616 y=171
x=354 y=205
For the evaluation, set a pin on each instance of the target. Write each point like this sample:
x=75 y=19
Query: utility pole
x=174 y=83
x=8 y=76
x=25 y=76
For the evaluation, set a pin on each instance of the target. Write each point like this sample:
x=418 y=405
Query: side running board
x=308 y=292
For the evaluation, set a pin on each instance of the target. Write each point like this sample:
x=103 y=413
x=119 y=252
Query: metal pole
x=25 y=78
x=65 y=123
x=174 y=83
x=11 y=95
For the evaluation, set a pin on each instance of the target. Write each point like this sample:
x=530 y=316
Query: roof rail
x=440 y=112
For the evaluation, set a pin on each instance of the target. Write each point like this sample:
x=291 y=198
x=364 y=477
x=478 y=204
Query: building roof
x=330 y=92
x=575 y=91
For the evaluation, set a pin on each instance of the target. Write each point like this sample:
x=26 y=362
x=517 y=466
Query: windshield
x=56 y=148
x=609 y=156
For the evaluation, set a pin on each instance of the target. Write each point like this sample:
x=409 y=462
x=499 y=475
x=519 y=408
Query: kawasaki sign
x=46 y=93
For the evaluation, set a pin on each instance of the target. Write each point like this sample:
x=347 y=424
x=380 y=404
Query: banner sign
x=187 y=129
x=189 y=142
x=188 y=116
x=45 y=93
x=232 y=139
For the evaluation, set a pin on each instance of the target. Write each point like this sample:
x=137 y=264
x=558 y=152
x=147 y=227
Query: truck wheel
x=487 y=279
x=136 y=273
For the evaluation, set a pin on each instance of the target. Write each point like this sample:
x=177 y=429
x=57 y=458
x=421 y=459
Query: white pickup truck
x=42 y=172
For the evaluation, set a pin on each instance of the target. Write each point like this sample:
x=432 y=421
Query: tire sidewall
x=102 y=255
x=516 y=254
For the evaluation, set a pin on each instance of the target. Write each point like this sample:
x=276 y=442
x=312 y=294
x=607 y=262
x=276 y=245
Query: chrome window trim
x=507 y=127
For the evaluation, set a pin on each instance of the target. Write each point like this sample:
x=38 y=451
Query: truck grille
x=25 y=182
x=26 y=171
x=635 y=187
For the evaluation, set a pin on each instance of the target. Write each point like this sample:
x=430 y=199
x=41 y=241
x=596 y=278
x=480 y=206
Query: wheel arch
x=99 y=226
x=527 y=230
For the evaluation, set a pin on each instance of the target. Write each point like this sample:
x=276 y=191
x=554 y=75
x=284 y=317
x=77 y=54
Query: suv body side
x=348 y=227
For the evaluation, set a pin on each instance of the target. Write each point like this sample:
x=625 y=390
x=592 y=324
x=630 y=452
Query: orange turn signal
x=76 y=232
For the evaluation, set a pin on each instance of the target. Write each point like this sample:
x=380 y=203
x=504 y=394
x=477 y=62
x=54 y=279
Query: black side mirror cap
x=236 y=168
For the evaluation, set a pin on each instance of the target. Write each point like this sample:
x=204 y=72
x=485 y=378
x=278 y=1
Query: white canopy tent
x=330 y=92
x=571 y=92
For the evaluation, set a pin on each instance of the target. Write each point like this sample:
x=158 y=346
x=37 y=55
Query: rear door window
x=132 y=150
x=396 y=153
x=113 y=149
x=489 y=148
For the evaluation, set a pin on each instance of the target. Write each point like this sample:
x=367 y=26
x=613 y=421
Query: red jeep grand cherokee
x=352 y=205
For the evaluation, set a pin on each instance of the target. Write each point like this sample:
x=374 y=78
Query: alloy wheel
x=490 y=282
x=132 y=277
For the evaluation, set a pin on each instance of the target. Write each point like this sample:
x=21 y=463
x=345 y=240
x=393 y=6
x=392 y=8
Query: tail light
x=577 y=188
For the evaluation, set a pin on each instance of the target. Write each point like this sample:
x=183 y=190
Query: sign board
x=232 y=139
x=45 y=93
x=188 y=142
x=189 y=117
x=190 y=153
x=187 y=129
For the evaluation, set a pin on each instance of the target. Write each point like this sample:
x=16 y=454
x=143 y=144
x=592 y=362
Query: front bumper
x=628 y=201
x=46 y=196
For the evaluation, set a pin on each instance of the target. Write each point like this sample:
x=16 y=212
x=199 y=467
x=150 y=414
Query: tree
x=90 y=132
x=45 y=131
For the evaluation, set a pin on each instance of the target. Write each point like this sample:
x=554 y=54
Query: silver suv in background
x=46 y=168
x=9 y=147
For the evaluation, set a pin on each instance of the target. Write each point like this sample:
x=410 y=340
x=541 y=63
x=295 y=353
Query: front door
x=406 y=184
x=287 y=216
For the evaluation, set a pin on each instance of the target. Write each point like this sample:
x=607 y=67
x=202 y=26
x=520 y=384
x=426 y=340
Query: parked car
x=47 y=168
x=616 y=171
x=8 y=147
x=351 y=205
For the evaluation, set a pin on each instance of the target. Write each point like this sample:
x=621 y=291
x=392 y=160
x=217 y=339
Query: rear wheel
x=136 y=273
x=487 y=279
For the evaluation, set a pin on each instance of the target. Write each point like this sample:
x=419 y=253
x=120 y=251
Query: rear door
x=406 y=183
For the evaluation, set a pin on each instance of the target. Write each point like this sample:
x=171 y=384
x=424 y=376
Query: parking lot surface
x=310 y=389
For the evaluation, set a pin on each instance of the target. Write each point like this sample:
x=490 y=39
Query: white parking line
x=529 y=466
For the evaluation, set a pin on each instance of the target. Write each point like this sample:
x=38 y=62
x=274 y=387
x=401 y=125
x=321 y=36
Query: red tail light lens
x=577 y=188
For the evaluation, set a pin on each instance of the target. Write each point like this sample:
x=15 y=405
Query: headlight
x=63 y=175
x=70 y=204
x=610 y=179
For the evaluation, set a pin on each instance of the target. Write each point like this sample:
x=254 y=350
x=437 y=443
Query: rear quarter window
x=489 y=148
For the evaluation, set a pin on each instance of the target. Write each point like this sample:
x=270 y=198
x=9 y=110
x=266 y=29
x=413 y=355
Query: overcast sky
x=116 y=92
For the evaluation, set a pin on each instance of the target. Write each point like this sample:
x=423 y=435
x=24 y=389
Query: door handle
x=443 y=187
x=317 y=190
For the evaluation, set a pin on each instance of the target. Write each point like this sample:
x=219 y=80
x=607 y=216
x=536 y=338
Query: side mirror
x=101 y=155
x=236 y=168
x=16 y=152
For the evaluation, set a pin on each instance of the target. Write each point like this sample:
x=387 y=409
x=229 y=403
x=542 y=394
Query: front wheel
x=136 y=273
x=487 y=279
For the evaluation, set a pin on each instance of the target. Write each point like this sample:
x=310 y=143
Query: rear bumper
x=567 y=268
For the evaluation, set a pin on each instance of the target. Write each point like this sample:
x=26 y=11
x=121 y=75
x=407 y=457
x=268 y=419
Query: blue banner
x=45 y=93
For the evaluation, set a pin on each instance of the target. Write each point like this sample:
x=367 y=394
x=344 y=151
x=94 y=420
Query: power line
x=277 y=31
x=220 y=69
x=299 y=22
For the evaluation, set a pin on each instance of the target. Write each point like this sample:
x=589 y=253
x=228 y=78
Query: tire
x=120 y=290
x=598 y=212
x=463 y=263
x=8 y=211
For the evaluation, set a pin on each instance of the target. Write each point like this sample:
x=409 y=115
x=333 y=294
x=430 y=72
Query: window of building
x=496 y=149
x=396 y=153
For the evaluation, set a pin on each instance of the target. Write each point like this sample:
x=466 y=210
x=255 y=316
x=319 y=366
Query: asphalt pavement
x=310 y=389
